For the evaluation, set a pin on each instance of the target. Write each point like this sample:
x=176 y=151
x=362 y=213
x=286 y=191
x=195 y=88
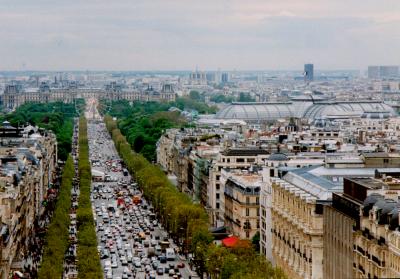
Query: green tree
x=245 y=97
x=195 y=95
x=256 y=241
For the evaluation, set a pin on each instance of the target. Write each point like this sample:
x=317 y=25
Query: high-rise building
x=225 y=77
x=376 y=72
x=308 y=72
x=389 y=71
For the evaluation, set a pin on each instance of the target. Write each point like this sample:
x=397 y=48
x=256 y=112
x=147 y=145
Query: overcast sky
x=207 y=34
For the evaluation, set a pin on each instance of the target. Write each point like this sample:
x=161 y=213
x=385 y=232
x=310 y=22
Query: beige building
x=232 y=158
x=14 y=96
x=27 y=168
x=297 y=223
x=242 y=201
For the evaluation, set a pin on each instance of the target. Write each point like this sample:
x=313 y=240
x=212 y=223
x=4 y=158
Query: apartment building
x=28 y=160
x=232 y=158
x=276 y=166
x=297 y=222
x=241 y=201
x=362 y=237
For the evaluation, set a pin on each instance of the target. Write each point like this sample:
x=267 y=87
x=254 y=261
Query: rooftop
x=245 y=152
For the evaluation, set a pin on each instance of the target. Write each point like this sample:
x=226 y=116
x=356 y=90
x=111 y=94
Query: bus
x=170 y=254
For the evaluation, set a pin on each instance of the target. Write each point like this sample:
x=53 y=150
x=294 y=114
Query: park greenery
x=55 y=116
x=187 y=222
x=221 y=98
x=144 y=123
x=88 y=258
x=56 y=241
x=245 y=97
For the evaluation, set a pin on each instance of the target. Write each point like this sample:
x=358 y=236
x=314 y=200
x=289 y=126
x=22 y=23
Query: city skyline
x=175 y=35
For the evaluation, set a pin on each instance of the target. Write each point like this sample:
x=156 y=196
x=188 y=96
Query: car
x=147 y=268
x=162 y=259
x=180 y=265
x=137 y=264
x=105 y=254
x=124 y=261
x=160 y=271
x=109 y=275
x=171 y=272
x=152 y=274
x=114 y=264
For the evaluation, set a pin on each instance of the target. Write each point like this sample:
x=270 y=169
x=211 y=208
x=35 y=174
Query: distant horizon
x=189 y=71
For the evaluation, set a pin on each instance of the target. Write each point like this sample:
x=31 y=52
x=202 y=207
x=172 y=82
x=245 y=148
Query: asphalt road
x=101 y=148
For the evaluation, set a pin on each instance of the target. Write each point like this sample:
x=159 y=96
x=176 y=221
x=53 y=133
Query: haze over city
x=182 y=35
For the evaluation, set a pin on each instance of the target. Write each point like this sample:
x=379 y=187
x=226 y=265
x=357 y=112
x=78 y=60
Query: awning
x=230 y=241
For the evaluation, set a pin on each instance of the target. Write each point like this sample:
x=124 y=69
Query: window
x=217 y=177
x=240 y=160
x=217 y=196
x=247 y=211
x=258 y=212
x=257 y=200
x=251 y=160
x=258 y=224
x=247 y=234
x=228 y=160
x=386 y=161
x=247 y=200
x=217 y=186
x=217 y=205
x=271 y=172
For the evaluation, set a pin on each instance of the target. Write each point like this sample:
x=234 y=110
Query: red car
x=180 y=265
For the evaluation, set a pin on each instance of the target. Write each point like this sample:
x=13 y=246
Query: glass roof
x=273 y=111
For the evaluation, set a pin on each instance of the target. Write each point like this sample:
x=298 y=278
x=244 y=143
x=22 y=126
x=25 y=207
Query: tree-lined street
x=131 y=241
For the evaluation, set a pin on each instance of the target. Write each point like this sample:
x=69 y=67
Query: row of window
x=238 y=160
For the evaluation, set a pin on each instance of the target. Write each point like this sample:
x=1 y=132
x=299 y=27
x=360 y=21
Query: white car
x=114 y=264
x=137 y=264
x=124 y=261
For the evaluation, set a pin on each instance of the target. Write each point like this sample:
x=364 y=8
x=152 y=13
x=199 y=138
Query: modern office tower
x=308 y=72
x=389 y=71
x=376 y=72
x=225 y=77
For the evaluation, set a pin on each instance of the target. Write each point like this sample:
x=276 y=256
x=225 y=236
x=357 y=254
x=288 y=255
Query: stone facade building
x=27 y=169
x=14 y=96
x=242 y=202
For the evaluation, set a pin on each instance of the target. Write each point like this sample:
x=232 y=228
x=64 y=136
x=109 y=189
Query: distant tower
x=308 y=72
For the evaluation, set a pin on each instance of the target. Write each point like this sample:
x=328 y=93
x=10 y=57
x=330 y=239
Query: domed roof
x=347 y=108
x=390 y=204
x=303 y=109
x=261 y=111
x=370 y=201
x=278 y=157
x=394 y=218
x=386 y=209
x=376 y=115
x=380 y=204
